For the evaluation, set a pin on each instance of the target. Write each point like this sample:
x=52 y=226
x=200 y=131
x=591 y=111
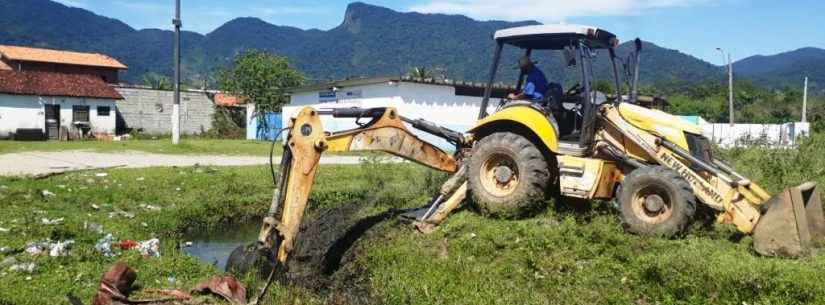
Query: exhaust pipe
x=792 y=223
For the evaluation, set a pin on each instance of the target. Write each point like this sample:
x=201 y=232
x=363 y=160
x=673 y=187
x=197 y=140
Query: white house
x=48 y=102
x=454 y=105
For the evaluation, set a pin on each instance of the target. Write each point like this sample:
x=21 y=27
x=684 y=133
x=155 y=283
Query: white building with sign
x=450 y=104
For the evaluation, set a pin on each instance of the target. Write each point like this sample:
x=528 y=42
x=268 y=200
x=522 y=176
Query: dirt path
x=37 y=163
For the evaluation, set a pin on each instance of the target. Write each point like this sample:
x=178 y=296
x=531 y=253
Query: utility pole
x=805 y=101
x=730 y=84
x=176 y=106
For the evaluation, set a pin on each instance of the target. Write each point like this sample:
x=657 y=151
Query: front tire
x=656 y=201
x=508 y=176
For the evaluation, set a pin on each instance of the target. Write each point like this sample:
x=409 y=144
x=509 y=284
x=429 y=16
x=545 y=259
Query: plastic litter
x=9 y=261
x=101 y=174
x=121 y=213
x=149 y=248
x=150 y=207
x=127 y=244
x=60 y=248
x=23 y=267
x=47 y=193
x=118 y=280
x=50 y=222
x=36 y=248
x=104 y=245
x=93 y=227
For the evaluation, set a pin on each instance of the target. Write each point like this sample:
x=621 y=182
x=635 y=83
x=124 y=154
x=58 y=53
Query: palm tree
x=419 y=72
x=157 y=81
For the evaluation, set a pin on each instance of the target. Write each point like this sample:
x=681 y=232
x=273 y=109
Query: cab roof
x=555 y=36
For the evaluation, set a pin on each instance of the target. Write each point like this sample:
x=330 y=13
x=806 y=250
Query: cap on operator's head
x=525 y=61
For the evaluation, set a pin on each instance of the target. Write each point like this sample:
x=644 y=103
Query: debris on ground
x=225 y=286
x=23 y=267
x=121 y=213
x=96 y=207
x=50 y=222
x=127 y=244
x=140 y=179
x=149 y=248
x=150 y=207
x=93 y=227
x=104 y=245
x=60 y=248
x=101 y=174
x=47 y=193
x=116 y=284
x=6 y=262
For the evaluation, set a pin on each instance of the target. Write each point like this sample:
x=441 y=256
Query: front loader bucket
x=792 y=223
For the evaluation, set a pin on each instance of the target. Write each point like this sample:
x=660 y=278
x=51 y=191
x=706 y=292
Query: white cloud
x=547 y=10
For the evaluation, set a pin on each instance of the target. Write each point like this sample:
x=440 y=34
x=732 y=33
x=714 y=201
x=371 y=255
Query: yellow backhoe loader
x=579 y=143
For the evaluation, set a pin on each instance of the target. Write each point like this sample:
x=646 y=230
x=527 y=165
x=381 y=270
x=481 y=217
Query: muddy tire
x=508 y=176
x=656 y=201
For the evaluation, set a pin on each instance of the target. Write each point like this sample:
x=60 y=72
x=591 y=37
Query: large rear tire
x=508 y=176
x=656 y=201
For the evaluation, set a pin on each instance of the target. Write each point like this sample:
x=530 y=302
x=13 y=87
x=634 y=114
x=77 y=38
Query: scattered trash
x=149 y=248
x=124 y=214
x=101 y=174
x=143 y=224
x=36 y=248
x=46 y=193
x=8 y=262
x=117 y=282
x=127 y=244
x=23 y=268
x=4 y=250
x=177 y=189
x=187 y=244
x=93 y=227
x=150 y=207
x=60 y=248
x=225 y=286
x=96 y=207
x=141 y=179
x=50 y=222
x=104 y=245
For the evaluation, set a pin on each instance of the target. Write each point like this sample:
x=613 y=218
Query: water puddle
x=214 y=248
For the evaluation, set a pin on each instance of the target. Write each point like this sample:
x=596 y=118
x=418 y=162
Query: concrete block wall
x=151 y=110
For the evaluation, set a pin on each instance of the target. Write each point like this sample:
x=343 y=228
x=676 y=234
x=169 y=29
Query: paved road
x=38 y=163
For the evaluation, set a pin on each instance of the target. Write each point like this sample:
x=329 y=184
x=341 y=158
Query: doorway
x=52 y=122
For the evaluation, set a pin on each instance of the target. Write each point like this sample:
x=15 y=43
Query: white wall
x=775 y=135
x=435 y=103
x=27 y=111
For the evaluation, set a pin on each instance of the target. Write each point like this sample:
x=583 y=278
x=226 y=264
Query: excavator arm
x=306 y=141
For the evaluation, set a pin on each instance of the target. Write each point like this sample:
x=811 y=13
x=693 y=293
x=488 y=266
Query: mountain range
x=370 y=41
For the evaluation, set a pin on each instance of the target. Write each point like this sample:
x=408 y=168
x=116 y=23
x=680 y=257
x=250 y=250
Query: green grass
x=566 y=255
x=162 y=146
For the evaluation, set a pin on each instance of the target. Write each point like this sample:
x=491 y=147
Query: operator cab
x=572 y=109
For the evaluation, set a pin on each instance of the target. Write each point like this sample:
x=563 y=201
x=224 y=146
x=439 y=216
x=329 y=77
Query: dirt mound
x=327 y=245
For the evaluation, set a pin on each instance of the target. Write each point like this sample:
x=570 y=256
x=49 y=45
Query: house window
x=80 y=113
x=103 y=110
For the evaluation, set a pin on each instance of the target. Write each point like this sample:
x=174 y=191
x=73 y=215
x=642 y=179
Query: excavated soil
x=327 y=246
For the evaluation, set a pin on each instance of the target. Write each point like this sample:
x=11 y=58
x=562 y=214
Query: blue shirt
x=536 y=84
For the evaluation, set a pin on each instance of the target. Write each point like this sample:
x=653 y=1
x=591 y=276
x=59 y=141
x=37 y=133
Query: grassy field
x=575 y=254
x=161 y=146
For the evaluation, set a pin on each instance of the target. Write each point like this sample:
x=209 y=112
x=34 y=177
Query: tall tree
x=260 y=78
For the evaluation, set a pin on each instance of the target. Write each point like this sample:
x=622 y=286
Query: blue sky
x=695 y=27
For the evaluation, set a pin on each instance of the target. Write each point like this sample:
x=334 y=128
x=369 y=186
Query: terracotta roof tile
x=60 y=57
x=55 y=84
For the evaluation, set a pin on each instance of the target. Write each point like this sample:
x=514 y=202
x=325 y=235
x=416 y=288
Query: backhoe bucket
x=792 y=223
